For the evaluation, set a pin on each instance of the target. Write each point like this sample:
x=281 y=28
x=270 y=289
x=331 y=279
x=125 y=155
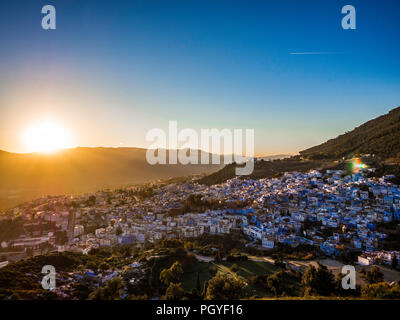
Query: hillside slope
x=26 y=176
x=266 y=169
x=380 y=136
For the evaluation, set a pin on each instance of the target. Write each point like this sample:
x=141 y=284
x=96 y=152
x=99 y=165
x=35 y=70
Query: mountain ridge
x=379 y=136
x=79 y=170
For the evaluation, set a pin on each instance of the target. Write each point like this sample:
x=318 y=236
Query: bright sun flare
x=46 y=137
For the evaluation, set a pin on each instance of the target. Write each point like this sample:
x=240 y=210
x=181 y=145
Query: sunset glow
x=46 y=137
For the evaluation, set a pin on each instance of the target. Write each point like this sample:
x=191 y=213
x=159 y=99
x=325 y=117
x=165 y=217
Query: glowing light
x=357 y=165
x=46 y=137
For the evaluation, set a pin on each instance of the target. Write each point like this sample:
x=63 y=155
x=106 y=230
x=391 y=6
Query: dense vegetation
x=170 y=270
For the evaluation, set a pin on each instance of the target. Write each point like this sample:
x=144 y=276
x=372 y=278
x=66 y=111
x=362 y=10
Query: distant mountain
x=274 y=157
x=27 y=176
x=380 y=136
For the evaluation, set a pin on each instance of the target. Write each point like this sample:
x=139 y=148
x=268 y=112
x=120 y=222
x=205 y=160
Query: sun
x=46 y=137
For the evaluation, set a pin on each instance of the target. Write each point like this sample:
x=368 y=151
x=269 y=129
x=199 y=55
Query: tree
x=15 y=296
x=213 y=270
x=205 y=287
x=174 y=291
x=198 y=282
x=372 y=276
x=279 y=262
x=91 y=265
x=394 y=262
x=104 y=266
x=345 y=292
x=234 y=267
x=381 y=290
x=188 y=245
x=61 y=237
x=173 y=274
x=125 y=250
x=194 y=294
x=91 y=201
x=118 y=231
x=318 y=281
x=111 y=291
x=218 y=256
x=275 y=282
x=49 y=295
x=224 y=287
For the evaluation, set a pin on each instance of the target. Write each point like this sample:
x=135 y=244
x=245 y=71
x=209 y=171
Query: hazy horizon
x=127 y=147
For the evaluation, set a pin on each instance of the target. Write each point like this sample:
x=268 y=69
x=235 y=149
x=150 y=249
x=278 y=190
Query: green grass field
x=249 y=268
x=245 y=270
x=190 y=278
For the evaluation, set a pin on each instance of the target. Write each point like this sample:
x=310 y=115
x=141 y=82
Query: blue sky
x=112 y=70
